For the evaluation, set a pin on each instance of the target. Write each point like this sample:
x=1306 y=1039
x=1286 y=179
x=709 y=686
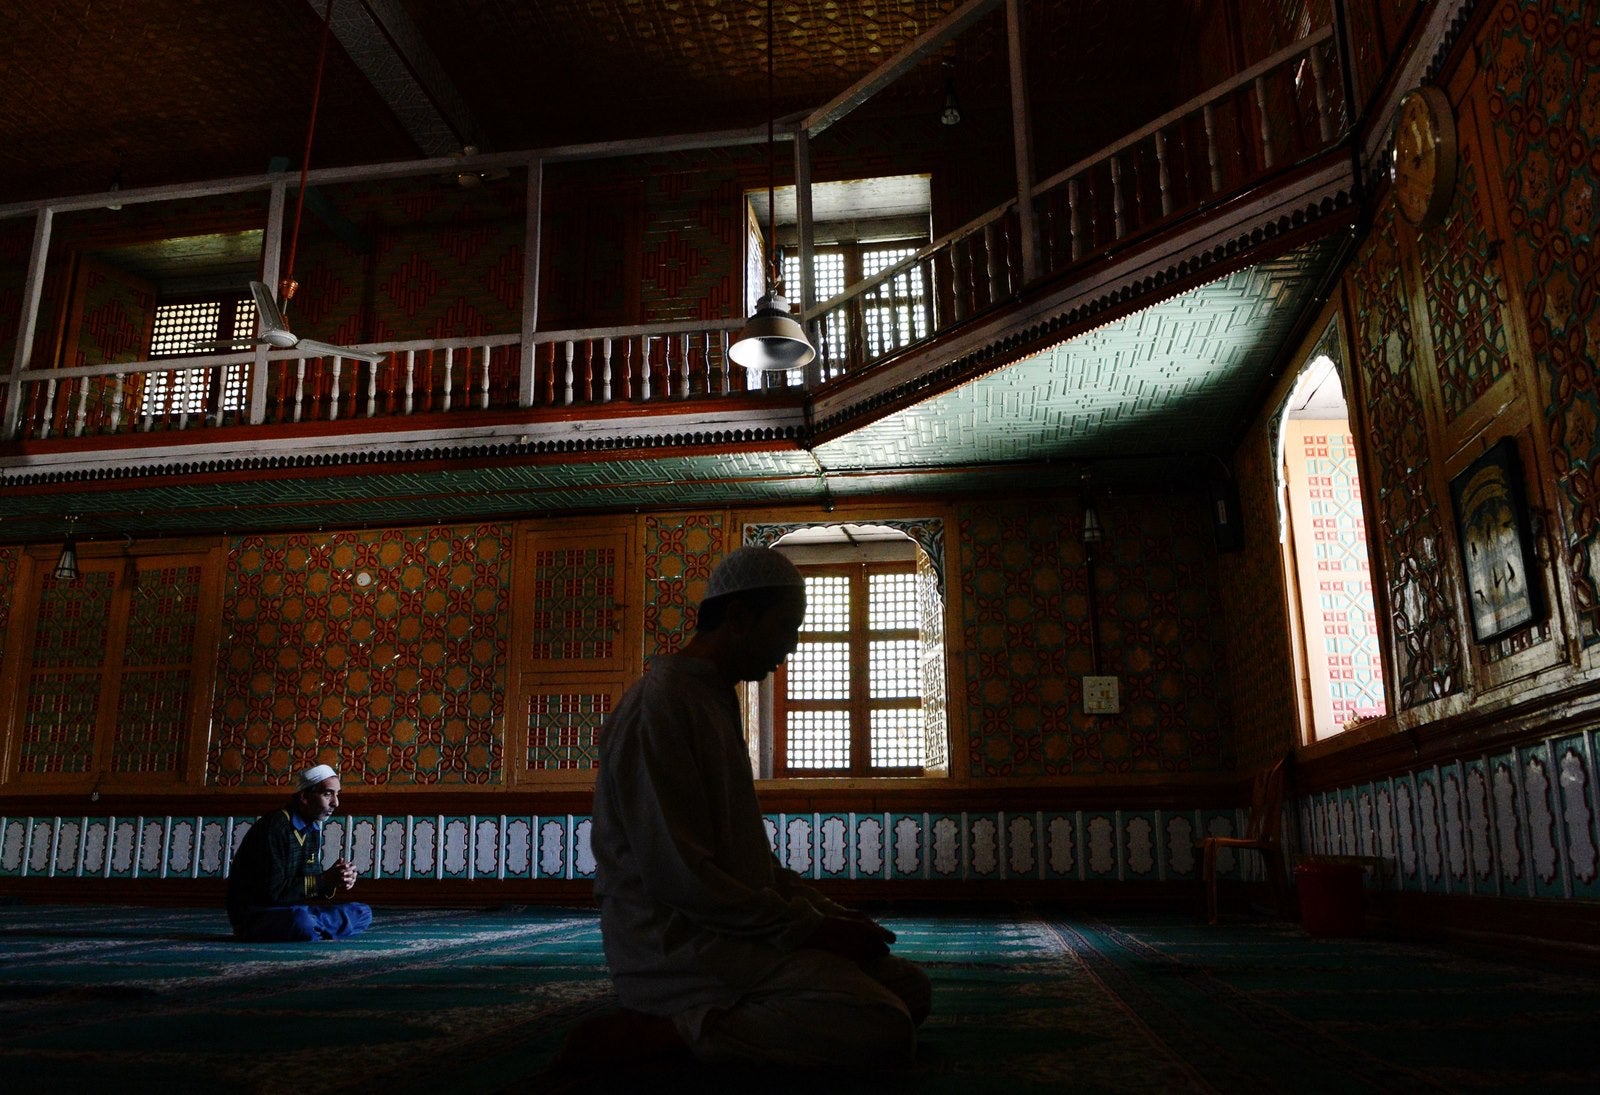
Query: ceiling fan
x=276 y=334
x=467 y=178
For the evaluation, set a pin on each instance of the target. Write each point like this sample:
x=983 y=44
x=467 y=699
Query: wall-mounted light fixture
x=1093 y=532
x=67 y=562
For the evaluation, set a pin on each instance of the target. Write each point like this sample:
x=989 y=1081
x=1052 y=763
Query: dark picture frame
x=1497 y=559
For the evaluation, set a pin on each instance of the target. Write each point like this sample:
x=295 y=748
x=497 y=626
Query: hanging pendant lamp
x=772 y=340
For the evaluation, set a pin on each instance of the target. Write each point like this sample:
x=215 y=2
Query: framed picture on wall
x=1496 y=546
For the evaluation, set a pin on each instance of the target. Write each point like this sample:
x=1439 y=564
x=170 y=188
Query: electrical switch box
x=1101 y=696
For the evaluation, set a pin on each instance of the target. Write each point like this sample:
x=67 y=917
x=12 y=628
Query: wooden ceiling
x=151 y=92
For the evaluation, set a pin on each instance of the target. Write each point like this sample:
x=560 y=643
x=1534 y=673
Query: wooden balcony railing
x=1282 y=111
x=1288 y=109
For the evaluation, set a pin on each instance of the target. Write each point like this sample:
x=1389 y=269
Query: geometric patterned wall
x=9 y=558
x=157 y=671
x=1462 y=289
x=1542 y=95
x=1411 y=520
x=1028 y=638
x=61 y=712
x=382 y=653
x=679 y=554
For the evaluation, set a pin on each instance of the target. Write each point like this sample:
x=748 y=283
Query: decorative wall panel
x=382 y=653
x=1543 y=91
x=1426 y=643
x=62 y=707
x=1028 y=640
x=1520 y=823
x=1461 y=285
x=679 y=554
x=564 y=729
x=1024 y=845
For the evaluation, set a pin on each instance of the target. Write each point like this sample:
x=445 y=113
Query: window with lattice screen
x=849 y=701
x=189 y=328
x=894 y=314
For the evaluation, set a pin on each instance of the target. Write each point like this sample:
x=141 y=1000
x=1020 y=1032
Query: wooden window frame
x=860 y=703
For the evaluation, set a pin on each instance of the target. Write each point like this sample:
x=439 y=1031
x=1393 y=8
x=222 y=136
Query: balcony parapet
x=1224 y=175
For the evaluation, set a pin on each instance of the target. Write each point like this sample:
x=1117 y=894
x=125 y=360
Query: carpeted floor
x=1026 y=1000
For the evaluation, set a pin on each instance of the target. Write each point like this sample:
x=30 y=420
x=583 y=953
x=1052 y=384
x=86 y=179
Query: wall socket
x=1101 y=696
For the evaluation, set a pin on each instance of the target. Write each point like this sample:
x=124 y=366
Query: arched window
x=864 y=693
x=1337 y=654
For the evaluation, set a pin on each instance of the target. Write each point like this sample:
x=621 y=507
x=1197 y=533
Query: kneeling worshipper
x=277 y=889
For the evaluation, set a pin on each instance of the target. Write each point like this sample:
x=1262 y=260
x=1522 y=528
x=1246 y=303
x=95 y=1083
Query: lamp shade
x=67 y=563
x=772 y=340
x=1093 y=532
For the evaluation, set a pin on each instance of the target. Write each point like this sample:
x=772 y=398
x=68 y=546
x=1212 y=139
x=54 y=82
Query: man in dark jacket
x=277 y=889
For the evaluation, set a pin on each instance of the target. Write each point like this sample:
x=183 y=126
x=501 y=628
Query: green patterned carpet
x=1026 y=1000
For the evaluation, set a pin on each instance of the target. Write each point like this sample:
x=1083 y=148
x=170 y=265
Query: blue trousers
x=302 y=923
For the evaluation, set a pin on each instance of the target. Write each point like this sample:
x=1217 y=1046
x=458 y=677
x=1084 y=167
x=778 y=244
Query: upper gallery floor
x=478 y=333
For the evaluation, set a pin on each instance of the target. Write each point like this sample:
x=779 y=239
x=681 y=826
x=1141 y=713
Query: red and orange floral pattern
x=381 y=653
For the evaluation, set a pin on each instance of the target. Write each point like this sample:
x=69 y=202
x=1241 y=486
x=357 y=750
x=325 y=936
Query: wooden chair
x=1260 y=834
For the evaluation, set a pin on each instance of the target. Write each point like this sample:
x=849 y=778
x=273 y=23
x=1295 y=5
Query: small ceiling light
x=67 y=563
x=951 y=114
x=772 y=340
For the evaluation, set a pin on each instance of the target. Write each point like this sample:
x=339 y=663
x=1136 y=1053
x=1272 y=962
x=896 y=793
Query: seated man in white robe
x=712 y=946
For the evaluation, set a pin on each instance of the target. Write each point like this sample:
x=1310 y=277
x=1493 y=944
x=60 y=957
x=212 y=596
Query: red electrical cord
x=772 y=205
x=287 y=285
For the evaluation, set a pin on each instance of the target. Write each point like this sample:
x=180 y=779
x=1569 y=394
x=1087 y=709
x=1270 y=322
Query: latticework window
x=893 y=315
x=849 y=699
x=187 y=329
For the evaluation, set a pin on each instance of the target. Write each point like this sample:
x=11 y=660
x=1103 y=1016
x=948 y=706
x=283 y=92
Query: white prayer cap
x=313 y=776
x=753 y=568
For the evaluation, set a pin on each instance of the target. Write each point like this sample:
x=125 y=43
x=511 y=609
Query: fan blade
x=218 y=344
x=271 y=318
x=311 y=347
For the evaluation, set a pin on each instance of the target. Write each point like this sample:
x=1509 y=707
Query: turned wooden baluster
x=116 y=402
x=337 y=373
x=1163 y=174
x=1324 y=119
x=1266 y=121
x=81 y=415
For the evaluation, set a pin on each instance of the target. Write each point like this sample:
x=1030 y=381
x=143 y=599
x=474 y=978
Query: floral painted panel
x=1544 y=103
x=679 y=554
x=382 y=653
x=1410 y=520
x=1461 y=284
